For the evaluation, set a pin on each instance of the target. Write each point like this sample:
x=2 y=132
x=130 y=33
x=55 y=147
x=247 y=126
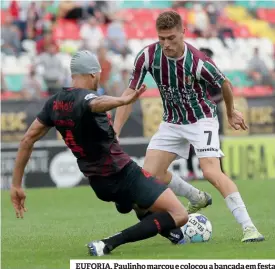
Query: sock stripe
x=158 y=225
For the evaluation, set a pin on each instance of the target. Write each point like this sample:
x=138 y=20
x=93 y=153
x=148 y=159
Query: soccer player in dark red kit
x=184 y=76
x=80 y=117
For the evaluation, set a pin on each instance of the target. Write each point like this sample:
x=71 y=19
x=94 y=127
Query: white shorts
x=203 y=135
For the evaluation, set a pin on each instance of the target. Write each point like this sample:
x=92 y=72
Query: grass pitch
x=59 y=223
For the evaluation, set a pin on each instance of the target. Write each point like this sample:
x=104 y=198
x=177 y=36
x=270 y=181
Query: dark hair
x=207 y=51
x=168 y=20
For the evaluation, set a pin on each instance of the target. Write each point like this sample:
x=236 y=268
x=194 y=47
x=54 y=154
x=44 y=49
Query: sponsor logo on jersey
x=67 y=123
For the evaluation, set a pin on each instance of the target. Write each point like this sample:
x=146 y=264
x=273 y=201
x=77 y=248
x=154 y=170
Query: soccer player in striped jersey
x=184 y=75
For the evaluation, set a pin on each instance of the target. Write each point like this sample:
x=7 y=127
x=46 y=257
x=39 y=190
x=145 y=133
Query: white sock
x=236 y=205
x=182 y=188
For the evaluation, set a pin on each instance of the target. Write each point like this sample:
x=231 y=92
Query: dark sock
x=148 y=227
x=174 y=235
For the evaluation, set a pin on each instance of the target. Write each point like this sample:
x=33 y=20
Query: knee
x=180 y=217
x=160 y=174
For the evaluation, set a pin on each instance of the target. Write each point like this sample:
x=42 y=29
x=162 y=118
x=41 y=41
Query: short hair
x=207 y=51
x=168 y=20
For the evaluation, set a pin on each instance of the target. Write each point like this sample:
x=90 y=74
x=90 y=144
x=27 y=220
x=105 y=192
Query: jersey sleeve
x=44 y=115
x=210 y=73
x=139 y=71
x=86 y=99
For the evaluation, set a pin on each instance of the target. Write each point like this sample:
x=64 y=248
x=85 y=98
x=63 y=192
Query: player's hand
x=236 y=120
x=18 y=198
x=131 y=98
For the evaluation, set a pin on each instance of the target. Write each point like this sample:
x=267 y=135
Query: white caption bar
x=172 y=264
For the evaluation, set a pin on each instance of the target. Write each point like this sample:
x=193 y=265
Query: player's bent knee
x=168 y=202
x=180 y=217
x=160 y=176
x=157 y=162
x=157 y=173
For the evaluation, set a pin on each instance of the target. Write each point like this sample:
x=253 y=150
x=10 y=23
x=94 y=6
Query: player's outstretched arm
x=36 y=131
x=106 y=103
x=235 y=118
x=212 y=75
x=122 y=113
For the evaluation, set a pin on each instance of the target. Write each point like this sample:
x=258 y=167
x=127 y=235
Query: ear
x=93 y=75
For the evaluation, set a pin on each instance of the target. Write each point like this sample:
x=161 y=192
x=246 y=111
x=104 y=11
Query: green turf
x=59 y=222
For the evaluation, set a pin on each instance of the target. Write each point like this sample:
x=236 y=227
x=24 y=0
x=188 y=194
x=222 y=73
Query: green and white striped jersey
x=183 y=83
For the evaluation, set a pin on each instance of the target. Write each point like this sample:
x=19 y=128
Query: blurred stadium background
x=38 y=39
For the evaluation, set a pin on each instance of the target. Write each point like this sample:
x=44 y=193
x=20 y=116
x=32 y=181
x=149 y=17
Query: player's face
x=171 y=41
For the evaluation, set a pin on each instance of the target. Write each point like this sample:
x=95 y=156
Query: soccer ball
x=197 y=229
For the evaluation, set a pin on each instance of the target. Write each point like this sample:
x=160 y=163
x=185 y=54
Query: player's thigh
x=157 y=162
x=141 y=187
x=149 y=193
x=167 y=144
x=204 y=136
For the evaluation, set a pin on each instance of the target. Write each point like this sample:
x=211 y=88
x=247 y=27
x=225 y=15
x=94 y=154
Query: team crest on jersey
x=189 y=79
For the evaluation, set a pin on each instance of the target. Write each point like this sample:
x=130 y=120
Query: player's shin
x=184 y=189
x=236 y=205
x=175 y=236
x=232 y=197
x=148 y=227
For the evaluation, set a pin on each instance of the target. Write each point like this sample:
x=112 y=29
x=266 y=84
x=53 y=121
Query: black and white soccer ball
x=197 y=229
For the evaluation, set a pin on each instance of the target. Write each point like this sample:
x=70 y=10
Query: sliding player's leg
x=175 y=236
x=146 y=192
